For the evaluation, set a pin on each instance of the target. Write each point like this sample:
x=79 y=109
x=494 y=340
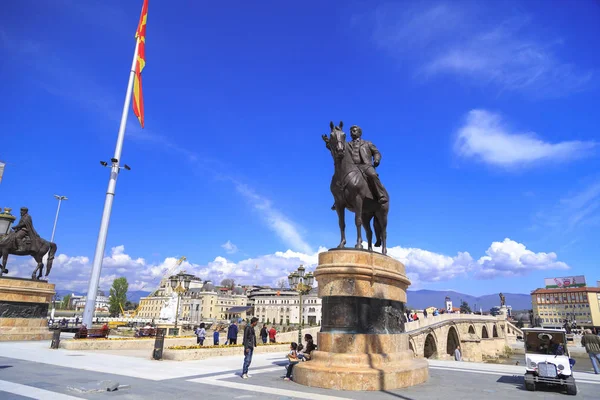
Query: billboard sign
x=565 y=282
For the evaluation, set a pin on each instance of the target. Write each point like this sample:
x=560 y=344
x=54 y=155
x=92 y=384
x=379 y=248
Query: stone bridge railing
x=479 y=336
x=431 y=320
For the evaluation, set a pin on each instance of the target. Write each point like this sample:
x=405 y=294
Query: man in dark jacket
x=249 y=342
x=591 y=343
x=232 y=333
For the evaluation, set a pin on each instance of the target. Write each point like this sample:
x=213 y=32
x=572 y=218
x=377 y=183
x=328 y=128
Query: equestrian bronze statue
x=355 y=186
x=25 y=241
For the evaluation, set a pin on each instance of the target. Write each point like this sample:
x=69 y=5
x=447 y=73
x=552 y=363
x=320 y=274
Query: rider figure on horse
x=366 y=156
x=25 y=228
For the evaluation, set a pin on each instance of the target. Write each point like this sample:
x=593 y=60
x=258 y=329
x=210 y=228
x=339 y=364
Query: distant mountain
x=132 y=295
x=416 y=299
x=426 y=298
x=135 y=295
x=62 y=293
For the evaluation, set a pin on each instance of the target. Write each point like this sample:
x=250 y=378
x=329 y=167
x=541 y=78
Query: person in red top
x=272 y=333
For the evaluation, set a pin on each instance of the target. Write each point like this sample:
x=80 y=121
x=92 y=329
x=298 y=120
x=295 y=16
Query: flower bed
x=122 y=343
x=222 y=346
x=188 y=353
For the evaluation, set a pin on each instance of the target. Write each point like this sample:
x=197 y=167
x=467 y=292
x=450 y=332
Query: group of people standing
x=268 y=333
x=232 y=334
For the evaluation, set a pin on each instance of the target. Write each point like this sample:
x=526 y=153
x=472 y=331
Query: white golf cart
x=547 y=359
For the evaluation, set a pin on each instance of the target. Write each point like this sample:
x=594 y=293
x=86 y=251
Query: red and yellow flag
x=140 y=34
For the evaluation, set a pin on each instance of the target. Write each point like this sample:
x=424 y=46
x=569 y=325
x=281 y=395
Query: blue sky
x=486 y=117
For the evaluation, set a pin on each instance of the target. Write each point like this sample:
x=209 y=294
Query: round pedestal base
x=361 y=376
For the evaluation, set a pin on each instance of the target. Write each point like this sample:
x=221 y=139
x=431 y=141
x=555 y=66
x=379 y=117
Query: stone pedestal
x=24 y=309
x=362 y=344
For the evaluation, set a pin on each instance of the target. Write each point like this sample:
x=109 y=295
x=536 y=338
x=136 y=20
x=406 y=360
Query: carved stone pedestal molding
x=24 y=308
x=362 y=344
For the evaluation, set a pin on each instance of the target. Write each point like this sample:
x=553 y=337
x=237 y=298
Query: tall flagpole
x=90 y=304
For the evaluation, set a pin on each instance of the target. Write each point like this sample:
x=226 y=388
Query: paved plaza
x=33 y=370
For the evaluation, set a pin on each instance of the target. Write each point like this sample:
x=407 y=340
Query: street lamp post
x=180 y=284
x=301 y=283
x=60 y=199
x=6 y=220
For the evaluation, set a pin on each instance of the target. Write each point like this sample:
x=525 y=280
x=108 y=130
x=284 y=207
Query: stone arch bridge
x=479 y=336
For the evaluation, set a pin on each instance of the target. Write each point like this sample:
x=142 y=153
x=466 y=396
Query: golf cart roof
x=549 y=330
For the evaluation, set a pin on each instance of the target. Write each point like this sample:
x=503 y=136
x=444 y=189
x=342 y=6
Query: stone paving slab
x=220 y=378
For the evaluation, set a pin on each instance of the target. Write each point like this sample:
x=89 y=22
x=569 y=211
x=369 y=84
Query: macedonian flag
x=140 y=34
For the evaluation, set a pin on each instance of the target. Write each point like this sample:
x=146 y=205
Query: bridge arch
x=411 y=346
x=452 y=341
x=430 y=346
x=471 y=329
x=495 y=331
x=484 y=332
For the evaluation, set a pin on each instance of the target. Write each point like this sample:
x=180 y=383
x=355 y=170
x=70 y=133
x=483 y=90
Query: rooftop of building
x=567 y=290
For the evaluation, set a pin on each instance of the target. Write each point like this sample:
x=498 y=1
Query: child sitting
x=293 y=359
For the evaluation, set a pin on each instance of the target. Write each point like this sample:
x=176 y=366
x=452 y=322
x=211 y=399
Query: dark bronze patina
x=365 y=315
x=25 y=241
x=355 y=185
x=15 y=309
x=502 y=300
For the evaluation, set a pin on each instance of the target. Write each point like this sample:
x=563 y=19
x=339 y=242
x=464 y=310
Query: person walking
x=232 y=333
x=457 y=355
x=272 y=333
x=201 y=334
x=264 y=334
x=216 y=337
x=249 y=342
x=591 y=343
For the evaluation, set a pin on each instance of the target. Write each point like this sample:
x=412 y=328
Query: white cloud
x=229 y=247
x=467 y=41
x=485 y=137
x=572 y=213
x=507 y=258
x=277 y=222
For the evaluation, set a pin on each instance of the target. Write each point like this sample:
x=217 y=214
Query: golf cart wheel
x=571 y=386
x=529 y=383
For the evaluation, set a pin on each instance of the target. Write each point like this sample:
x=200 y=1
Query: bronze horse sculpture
x=351 y=191
x=8 y=246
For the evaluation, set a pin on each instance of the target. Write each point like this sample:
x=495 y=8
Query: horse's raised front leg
x=341 y=212
x=358 y=221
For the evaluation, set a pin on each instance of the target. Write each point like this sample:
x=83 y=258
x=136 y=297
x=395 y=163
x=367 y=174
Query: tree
x=118 y=295
x=464 y=308
x=228 y=282
x=282 y=283
x=65 y=302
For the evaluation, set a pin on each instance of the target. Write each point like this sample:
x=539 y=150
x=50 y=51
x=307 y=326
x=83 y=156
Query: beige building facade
x=579 y=304
x=283 y=307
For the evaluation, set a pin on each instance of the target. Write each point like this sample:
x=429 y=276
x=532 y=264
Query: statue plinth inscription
x=23 y=309
x=362 y=344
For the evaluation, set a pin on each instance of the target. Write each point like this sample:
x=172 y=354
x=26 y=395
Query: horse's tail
x=51 y=254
